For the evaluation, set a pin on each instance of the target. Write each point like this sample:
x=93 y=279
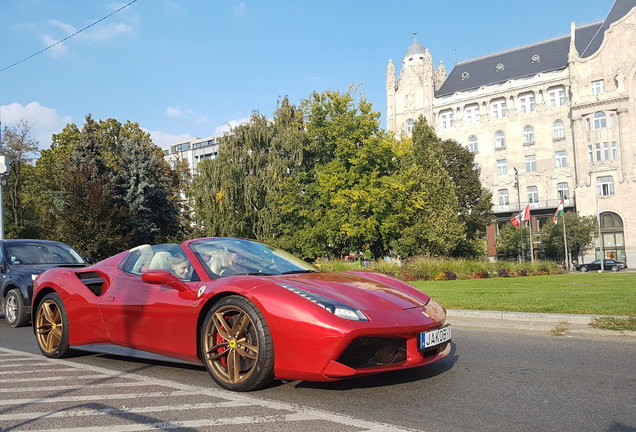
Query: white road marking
x=300 y=413
x=70 y=387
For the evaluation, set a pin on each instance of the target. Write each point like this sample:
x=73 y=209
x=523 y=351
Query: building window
x=533 y=195
x=446 y=119
x=602 y=151
x=556 y=97
x=473 y=144
x=531 y=163
x=500 y=140
x=600 y=120
x=409 y=126
x=504 y=198
x=528 y=135
x=498 y=108
x=471 y=113
x=605 y=186
x=563 y=191
x=560 y=159
x=613 y=122
x=598 y=87
x=613 y=237
x=558 y=130
x=502 y=167
x=526 y=103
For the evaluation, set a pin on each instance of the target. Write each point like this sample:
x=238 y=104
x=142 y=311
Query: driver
x=223 y=262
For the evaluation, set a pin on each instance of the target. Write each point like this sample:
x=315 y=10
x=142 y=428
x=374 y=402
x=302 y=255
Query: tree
x=579 y=231
x=509 y=240
x=474 y=201
x=436 y=227
x=20 y=148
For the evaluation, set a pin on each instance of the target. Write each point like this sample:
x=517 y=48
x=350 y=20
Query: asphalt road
x=493 y=381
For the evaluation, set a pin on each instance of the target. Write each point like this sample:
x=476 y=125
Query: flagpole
x=565 y=245
x=531 y=243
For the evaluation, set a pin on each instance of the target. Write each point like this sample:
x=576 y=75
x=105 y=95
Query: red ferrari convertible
x=248 y=311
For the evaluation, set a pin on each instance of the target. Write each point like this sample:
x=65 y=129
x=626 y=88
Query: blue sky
x=190 y=68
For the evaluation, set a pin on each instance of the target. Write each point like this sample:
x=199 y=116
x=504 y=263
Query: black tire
x=14 y=311
x=583 y=269
x=615 y=268
x=236 y=345
x=50 y=324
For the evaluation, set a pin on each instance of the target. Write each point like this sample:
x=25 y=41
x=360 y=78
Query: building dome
x=416 y=49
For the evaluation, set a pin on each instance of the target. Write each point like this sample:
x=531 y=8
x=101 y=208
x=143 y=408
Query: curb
x=554 y=324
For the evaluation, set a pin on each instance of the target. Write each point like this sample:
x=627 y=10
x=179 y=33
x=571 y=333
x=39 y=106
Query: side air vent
x=93 y=282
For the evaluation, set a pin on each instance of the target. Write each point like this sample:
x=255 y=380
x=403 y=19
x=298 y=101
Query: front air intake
x=366 y=352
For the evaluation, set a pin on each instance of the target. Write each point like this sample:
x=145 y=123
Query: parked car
x=608 y=264
x=20 y=262
x=247 y=311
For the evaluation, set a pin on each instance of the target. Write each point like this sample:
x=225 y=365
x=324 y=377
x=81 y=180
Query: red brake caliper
x=219 y=340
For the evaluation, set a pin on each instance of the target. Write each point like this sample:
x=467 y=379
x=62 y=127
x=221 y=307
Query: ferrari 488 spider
x=248 y=311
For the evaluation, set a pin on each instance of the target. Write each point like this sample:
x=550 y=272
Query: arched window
x=528 y=135
x=500 y=140
x=600 y=120
x=409 y=126
x=558 y=130
x=613 y=237
x=473 y=144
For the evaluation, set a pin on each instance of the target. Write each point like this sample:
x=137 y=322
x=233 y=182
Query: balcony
x=541 y=205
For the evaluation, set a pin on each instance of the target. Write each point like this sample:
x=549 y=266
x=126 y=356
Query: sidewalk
x=555 y=324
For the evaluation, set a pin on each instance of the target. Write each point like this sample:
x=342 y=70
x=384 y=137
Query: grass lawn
x=577 y=293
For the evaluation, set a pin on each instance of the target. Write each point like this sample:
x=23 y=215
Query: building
x=193 y=151
x=548 y=121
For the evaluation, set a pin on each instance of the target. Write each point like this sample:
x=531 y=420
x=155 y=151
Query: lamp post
x=4 y=168
x=598 y=222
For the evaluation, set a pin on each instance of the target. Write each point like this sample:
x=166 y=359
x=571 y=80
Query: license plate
x=433 y=338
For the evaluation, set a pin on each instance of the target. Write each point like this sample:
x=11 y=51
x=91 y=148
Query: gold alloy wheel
x=48 y=326
x=231 y=345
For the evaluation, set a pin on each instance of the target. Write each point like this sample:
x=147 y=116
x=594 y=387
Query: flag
x=524 y=215
x=557 y=213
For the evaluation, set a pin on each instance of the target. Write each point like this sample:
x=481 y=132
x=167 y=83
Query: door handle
x=109 y=298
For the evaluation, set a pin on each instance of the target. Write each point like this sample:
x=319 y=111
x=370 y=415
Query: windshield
x=230 y=257
x=41 y=253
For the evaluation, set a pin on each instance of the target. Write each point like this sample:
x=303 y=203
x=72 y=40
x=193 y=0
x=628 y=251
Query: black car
x=20 y=262
x=608 y=264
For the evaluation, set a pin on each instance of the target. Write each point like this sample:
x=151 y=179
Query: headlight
x=34 y=276
x=335 y=307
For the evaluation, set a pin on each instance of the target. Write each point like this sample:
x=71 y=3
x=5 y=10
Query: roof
x=415 y=48
x=550 y=55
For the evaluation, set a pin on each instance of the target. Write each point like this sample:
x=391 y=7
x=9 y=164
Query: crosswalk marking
x=289 y=414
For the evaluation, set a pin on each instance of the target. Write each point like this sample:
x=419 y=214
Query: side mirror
x=163 y=277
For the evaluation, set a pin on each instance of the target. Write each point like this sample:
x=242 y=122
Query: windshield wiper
x=300 y=271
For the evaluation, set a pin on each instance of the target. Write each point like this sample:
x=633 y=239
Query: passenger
x=180 y=267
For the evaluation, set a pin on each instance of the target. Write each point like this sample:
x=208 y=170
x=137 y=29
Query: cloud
x=56 y=51
x=44 y=121
x=164 y=139
x=220 y=130
x=240 y=10
x=174 y=112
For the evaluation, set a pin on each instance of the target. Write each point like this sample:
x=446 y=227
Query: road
x=493 y=381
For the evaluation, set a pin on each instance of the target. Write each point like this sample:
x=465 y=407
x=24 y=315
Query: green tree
x=511 y=239
x=20 y=148
x=474 y=201
x=436 y=227
x=579 y=231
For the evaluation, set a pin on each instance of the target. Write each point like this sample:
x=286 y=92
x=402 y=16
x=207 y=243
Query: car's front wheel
x=615 y=268
x=583 y=269
x=51 y=327
x=14 y=311
x=236 y=345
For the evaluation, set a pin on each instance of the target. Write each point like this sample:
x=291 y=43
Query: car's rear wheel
x=615 y=268
x=236 y=345
x=14 y=311
x=583 y=269
x=51 y=327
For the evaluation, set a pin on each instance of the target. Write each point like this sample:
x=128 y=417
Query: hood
x=362 y=290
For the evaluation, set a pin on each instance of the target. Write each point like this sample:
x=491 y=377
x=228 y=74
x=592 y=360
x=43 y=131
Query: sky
x=194 y=68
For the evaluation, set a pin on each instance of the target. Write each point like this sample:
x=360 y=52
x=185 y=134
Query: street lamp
x=598 y=222
x=4 y=169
